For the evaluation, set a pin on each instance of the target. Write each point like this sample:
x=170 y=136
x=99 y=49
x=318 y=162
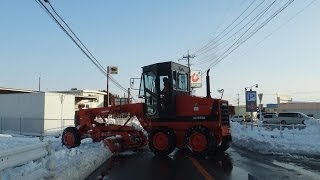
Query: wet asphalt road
x=234 y=164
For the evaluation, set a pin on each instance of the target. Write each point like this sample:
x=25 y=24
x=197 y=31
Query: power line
x=283 y=24
x=219 y=37
x=234 y=35
x=255 y=19
x=97 y=63
x=214 y=39
x=75 y=35
x=58 y=23
x=269 y=19
x=77 y=41
x=289 y=20
x=242 y=40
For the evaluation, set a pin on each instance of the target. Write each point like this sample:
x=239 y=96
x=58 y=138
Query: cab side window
x=182 y=81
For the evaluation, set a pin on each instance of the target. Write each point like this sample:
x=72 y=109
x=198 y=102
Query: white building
x=36 y=113
x=87 y=98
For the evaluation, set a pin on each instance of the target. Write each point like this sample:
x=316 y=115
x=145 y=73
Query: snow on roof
x=79 y=91
x=6 y=90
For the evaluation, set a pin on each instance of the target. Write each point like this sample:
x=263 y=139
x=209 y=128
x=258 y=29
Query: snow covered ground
x=304 y=141
x=76 y=163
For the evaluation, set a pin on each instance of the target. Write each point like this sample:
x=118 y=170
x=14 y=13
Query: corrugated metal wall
x=35 y=113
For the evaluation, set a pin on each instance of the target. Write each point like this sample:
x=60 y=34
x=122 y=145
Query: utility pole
x=108 y=86
x=188 y=57
x=238 y=102
x=129 y=95
x=39 y=83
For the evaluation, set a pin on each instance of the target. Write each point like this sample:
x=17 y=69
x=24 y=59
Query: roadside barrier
x=281 y=129
x=21 y=155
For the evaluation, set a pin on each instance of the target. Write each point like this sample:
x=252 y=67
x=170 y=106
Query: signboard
x=260 y=97
x=251 y=101
x=195 y=79
x=113 y=69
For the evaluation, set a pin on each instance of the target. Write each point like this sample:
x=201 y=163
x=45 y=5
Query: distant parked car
x=286 y=118
x=264 y=114
x=238 y=118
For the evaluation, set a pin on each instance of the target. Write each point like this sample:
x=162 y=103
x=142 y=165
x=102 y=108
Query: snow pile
x=304 y=141
x=5 y=135
x=62 y=163
x=7 y=142
x=134 y=122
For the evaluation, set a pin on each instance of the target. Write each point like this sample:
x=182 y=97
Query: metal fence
x=292 y=131
x=34 y=126
x=270 y=127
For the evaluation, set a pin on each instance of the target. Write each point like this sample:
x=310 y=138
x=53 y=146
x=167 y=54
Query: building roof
x=93 y=91
x=6 y=90
x=79 y=93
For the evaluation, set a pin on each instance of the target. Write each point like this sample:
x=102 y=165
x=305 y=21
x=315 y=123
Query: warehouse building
x=309 y=108
x=35 y=113
x=87 y=98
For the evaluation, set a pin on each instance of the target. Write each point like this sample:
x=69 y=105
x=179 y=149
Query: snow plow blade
x=125 y=140
x=117 y=138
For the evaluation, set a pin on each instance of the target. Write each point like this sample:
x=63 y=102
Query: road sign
x=251 y=101
x=195 y=79
x=113 y=69
x=251 y=96
x=260 y=97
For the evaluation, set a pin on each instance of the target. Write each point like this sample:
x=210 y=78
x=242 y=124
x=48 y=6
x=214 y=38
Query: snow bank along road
x=298 y=141
x=79 y=162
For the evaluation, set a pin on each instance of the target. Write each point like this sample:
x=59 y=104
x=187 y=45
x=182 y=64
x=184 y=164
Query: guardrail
x=21 y=155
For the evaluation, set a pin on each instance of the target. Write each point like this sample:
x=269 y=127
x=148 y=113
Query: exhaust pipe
x=208 y=84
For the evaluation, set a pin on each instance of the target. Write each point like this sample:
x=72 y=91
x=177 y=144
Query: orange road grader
x=172 y=119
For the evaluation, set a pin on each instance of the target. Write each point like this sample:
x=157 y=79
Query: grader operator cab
x=160 y=84
x=170 y=115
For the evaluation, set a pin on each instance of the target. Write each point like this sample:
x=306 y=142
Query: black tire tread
x=76 y=135
x=210 y=139
x=171 y=139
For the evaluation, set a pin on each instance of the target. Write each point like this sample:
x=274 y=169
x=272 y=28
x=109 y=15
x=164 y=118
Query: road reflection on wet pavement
x=234 y=164
x=144 y=165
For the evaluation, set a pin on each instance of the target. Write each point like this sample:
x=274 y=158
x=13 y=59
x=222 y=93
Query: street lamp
x=250 y=87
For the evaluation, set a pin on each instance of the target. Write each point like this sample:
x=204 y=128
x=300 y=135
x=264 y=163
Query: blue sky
x=132 y=34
